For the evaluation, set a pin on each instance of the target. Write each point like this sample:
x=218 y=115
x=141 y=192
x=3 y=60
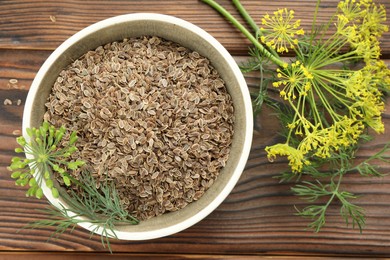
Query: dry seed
x=13 y=81
x=17 y=132
x=7 y=102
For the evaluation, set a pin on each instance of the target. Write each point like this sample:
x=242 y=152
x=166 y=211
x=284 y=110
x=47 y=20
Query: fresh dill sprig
x=99 y=207
x=82 y=202
x=258 y=63
x=313 y=191
x=326 y=185
x=321 y=181
x=327 y=103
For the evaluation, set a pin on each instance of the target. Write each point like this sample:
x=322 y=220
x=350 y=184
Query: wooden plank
x=257 y=218
x=120 y=256
x=30 y=24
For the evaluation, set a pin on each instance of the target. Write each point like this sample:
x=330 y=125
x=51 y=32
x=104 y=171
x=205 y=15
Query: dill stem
x=246 y=16
x=277 y=61
x=314 y=109
x=334 y=194
x=244 y=13
x=325 y=101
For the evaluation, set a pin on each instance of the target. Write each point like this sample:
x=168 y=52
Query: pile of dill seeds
x=152 y=116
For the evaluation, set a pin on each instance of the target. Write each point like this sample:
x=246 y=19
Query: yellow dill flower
x=352 y=9
x=348 y=130
x=296 y=80
x=353 y=85
x=296 y=157
x=371 y=110
x=348 y=31
x=368 y=49
x=362 y=23
x=376 y=123
x=363 y=87
x=380 y=73
x=330 y=142
x=373 y=20
x=280 y=31
x=321 y=142
x=313 y=139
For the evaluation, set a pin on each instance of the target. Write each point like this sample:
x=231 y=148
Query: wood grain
x=44 y=24
x=120 y=256
x=256 y=219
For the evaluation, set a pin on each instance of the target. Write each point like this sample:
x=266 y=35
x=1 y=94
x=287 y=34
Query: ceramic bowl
x=190 y=36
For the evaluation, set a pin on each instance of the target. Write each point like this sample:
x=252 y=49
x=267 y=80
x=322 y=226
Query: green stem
x=313 y=25
x=246 y=16
x=244 y=13
x=314 y=108
x=335 y=117
x=247 y=34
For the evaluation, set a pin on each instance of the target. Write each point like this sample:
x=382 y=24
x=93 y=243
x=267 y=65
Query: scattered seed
x=7 y=102
x=13 y=81
x=17 y=132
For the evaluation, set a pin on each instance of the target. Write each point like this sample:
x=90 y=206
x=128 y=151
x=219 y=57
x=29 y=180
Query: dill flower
x=352 y=10
x=295 y=80
x=296 y=157
x=373 y=20
x=326 y=108
x=280 y=31
x=362 y=23
x=364 y=87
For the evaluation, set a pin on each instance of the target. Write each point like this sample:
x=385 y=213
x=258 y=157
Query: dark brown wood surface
x=257 y=219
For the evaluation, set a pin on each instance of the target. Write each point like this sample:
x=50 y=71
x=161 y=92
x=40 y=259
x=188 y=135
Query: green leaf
x=21 y=182
x=66 y=180
x=74 y=165
x=19 y=150
x=46 y=175
x=45 y=126
x=59 y=133
x=31 y=191
x=61 y=171
x=39 y=193
x=17 y=165
x=15 y=159
x=32 y=182
x=21 y=140
x=16 y=175
x=38 y=140
x=55 y=193
x=30 y=132
x=73 y=138
x=72 y=149
x=49 y=183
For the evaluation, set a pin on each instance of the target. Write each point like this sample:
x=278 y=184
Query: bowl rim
x=145 y=235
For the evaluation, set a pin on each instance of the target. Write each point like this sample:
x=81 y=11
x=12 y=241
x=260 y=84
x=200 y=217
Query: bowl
x=187 y=35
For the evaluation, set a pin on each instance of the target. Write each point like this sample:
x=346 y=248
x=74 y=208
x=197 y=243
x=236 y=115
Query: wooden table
x=256 y=221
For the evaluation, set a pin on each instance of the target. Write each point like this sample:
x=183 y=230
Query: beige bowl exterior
x=190 y=36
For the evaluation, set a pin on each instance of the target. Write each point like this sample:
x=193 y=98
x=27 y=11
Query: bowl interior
x=127 y=27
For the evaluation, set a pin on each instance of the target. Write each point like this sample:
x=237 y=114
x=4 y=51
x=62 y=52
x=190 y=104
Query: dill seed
x=7 y=102
x=13 y=81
